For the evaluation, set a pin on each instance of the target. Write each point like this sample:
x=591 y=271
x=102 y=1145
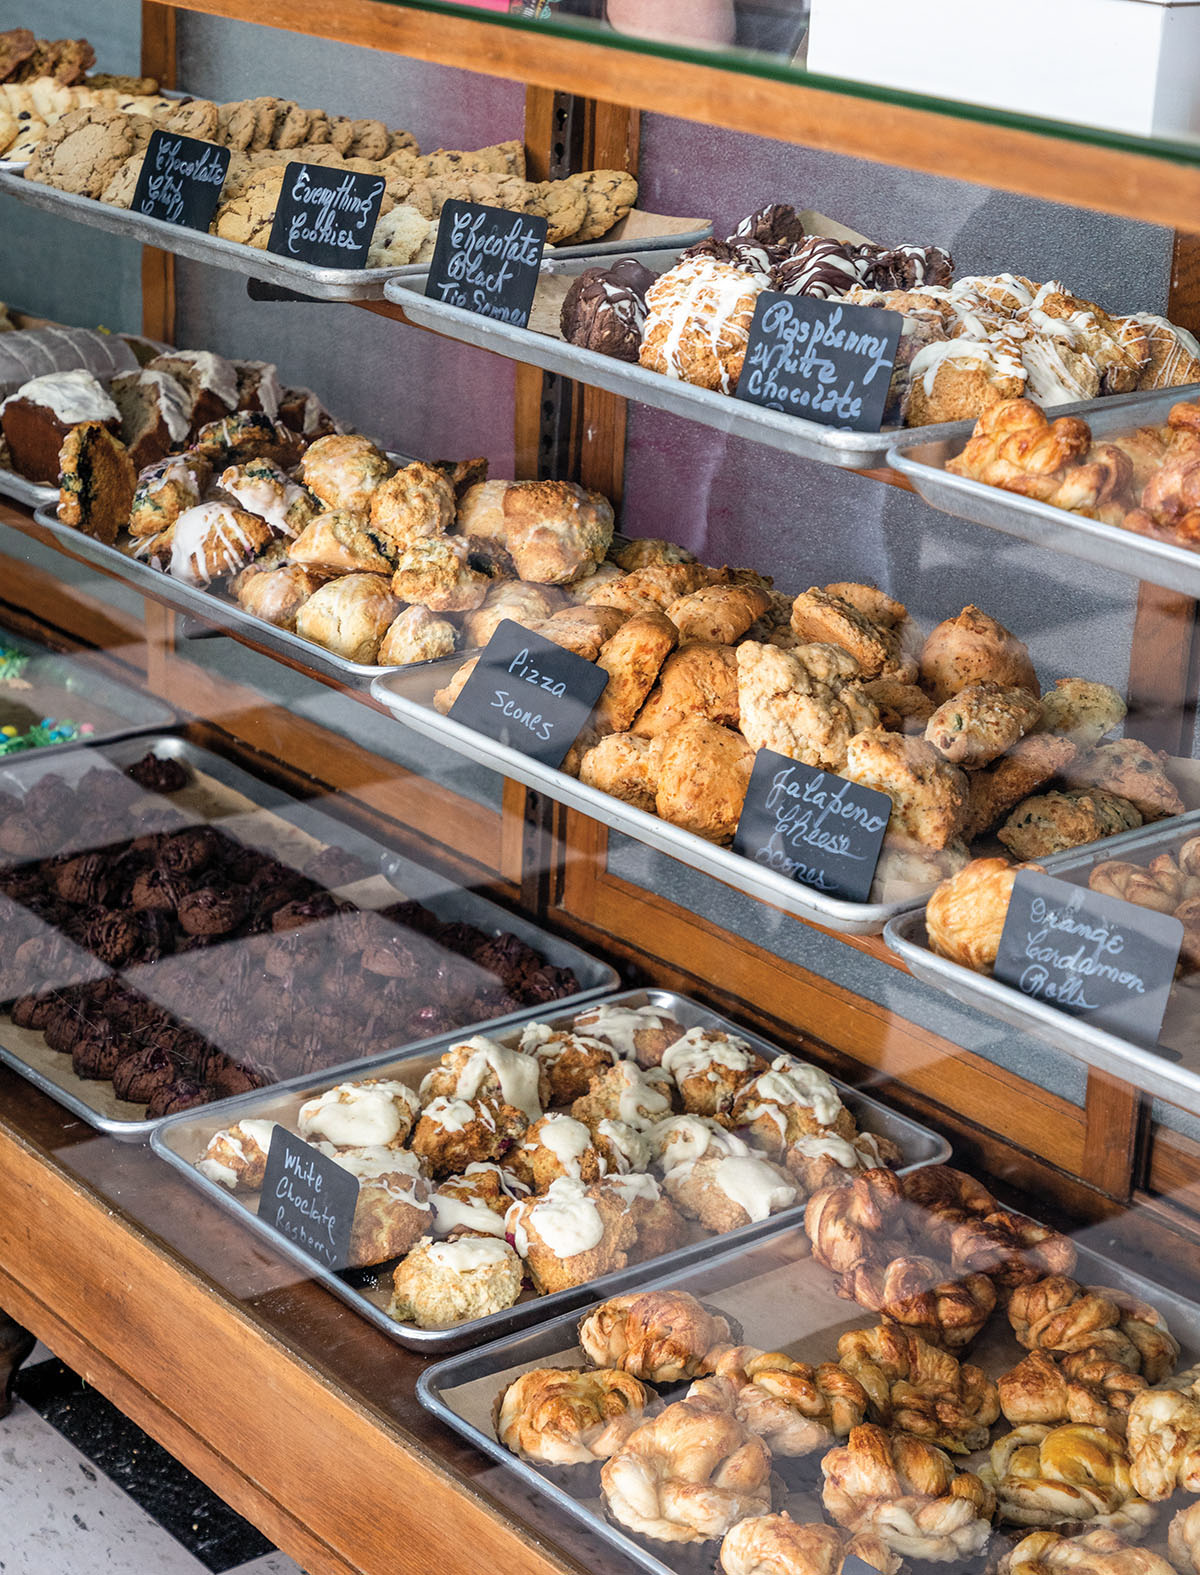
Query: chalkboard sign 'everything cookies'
x=308 y=1198
x=326 y=216
x=486 y=260
x=1092 y=956
x=822 y=360
x=811 y=826
x=529 y=694
x=180 y=180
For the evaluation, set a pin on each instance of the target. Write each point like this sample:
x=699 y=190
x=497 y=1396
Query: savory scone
x=1083 y=711
x=660 y=583
x=699 y=679
x=784 y=707
x=416 y=636
x=721 y=613
x=553 y=529
x=344 y=470
x=1131 y=770
x=647 y=550
x=436 y=571
x=997 y=789
x=928 y=794
x=417 y=501
x=349 y=616
x=583 y=630
x=444 y=698
x=902 y=707
x=703 y=773
x=340 y=542
x=972 y=649
x=443 y=1283
x=1052 y=822
x=980 y=722
x=632 y=658
x=528 y=605
x=623 y=764
x=818 y=616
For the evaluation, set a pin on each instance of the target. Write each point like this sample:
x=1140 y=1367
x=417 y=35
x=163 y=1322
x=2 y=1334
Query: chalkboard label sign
x=326 y=215
x=486 y=260
x=180 y=180
x=1089 y=955
x=309 y=1198
x=529 y=694
x=813 y=827
x=823 y=360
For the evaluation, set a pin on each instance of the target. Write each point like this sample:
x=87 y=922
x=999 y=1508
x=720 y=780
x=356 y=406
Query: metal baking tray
x=181 y=1139
x=33 y=494
x=322 y=284
x=1172 y=1072
x=408 y=693
x=784 y=1301
x=131 y=710
x=286 y=816
x=921 y=456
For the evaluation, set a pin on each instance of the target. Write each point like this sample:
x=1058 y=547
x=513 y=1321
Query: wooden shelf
x=960 y=144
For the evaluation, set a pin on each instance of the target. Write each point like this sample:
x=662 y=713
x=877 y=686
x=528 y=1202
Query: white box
x=1126 y=65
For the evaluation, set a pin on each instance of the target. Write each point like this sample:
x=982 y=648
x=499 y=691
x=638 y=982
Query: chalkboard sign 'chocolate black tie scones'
x=486 y=261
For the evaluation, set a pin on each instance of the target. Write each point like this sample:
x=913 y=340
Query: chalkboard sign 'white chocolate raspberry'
x=487 y=260
x=180 y=180
x=308 y=1198
x=326 y=216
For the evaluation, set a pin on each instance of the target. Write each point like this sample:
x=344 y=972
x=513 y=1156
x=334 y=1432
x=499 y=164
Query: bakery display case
x=615 y=1190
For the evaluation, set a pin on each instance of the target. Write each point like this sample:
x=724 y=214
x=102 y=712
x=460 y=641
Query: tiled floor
x=84 y=1489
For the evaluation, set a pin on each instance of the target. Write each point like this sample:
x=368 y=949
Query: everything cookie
x=370 y=140
x=562 y=205
x=292 y=126
x=85 y=149
x=248 y=217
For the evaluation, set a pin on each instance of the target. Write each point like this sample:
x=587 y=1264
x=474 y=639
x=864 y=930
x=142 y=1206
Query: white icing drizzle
x=1052 y=381
x=701 y=1049
x=189 y=544
x=216 y=1170
x=700 y=297
x=639 y=1101
x=454 y=1115
x=172 y=469
x=397 y=1179
x=753 y=1185
x=69 y=396
x=450 y=1213
x=518 y=1075
x=631 y=1148
x=468 y=1254
x=234 y=1142
x=635 y=1188
x=268 y=389
x=508 y=1182
x=996 y=354
x=270 y=495
x=173 y=401
x=618 y=1025
x=681 y=1140
x=1185 y=345
x=566 y=1220
x=567 y=1139
x=360 y=1115
x=827 y=1145
x=798 y=1083
x=212 y=372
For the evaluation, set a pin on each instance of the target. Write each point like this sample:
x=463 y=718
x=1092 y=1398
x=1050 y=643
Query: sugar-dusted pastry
x=236 y=1157
x=376 y=1112
x=344 y=470
x=624 y=765
x=928 y=794
x=479 y=1067
x=555 y=1145
x=96 y=481
x=416 y=635
x=727 y=1191
x=1131 y=770
x=981 y=722
x=454 y=1133
x=791 y=1100
x=971 y=649
x=799 y=704
x=475 y=1202
x=1081 y=710
x=262 y=488
x=393 y=1210
x=778 y=1545
x=337 y=541
x=554 y=529
x=568 y=1416
x=626 y=1092
x=1043 y=1476
x=965 y=915
x=1183 y=1541
x=997 y=789
x=698 y=323
x=794 y=1407
x=418 y=500
x=570 y=1235
x=709 y=1068
x=1082 y=1387
x=699 y=679
x=569 y=1060
x=916 y=1294
x=349 y=616
x=1050 y=822
x=909 y=1494
x=442 y=1283
x=914 y=1387
x=661 y=1337
x=702 y=774
x=638 y=1033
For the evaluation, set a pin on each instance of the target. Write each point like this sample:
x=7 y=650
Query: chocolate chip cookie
x=610 y=195
x=84 y=150
x=195 y=117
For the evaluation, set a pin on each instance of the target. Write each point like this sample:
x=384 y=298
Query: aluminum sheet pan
x=408 y=694
x=785 y=1302
x=323 y=284
x=1172 y=1072
x=449 y=902
x=181 y=1139
x=33 y=494
x=921 y=456
x=131 y=710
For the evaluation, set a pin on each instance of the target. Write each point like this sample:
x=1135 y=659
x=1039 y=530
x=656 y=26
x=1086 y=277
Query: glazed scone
x=455 y=1133
x=479 y=1067
x=440 y=1284
x=570 y=1236
x=393 y=1210
x=680 y=1139
x=373 y=1113
x=556 y=1145
x=570 y=1061
x=349 y=616
x=337 y=541
x=636 y=1033
x=344 y=470
x=165 y=491
x=214 y=540
x=657 y=1223
x=262 y=488
x=709 y=1068
x=554 y=529
x=436 y=571
x=416 y=636
x=237 y=1156
x=626 y=1092
x=276 y=595
x=475 y=1203
x=725 y=1191
x=792 y=1100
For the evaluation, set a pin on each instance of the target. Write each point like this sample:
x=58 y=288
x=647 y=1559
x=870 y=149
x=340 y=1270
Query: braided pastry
x=1084 y=1387
x=1160 y=890
x=941 y=1198
x=1043 y=1476
x=1183 y=1540
x=778 y=1545
x=1015 y=446
x=689 y=1474
x=1058 y=1314
x=1157 y=1347
x=659 y=1336
x=1010 y=1248
x=916 y=1294
x=914 y=1388
x=1098 y=1552
x=1164 y=1443
x=796 y=1408
x=568 y=1416
x=908 y=1493
x=856 y=1223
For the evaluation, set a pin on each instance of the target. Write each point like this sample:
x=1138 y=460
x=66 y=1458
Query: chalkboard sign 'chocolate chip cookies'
x=181 y=180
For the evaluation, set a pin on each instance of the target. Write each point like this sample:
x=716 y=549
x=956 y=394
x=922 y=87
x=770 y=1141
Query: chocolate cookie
x=85 y=881
x=139 y=1074
x=97 y=1051
x=212 y=911
x=195 y=117
x=113 y=937
x=189 y=851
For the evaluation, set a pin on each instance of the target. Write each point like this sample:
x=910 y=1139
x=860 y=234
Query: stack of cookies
x=41 y=80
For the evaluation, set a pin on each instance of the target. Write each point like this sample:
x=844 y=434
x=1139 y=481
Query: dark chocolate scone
x=605 y=309
x=141 y=1073
x=336 y=867
x=97 y=1051
x=159 y=773
x=85 y=881
x=112 y=936
x=188 y=851
x=212 y=911
x=158 y=890
x=34 y=1011
x=183 y=1094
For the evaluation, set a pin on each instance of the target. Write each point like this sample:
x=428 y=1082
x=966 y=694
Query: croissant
x=659 y=1336
x=778 y=1545
x=918 y=1294
x=1188 y=857
x=568 y=1416
x=689 y=1474
x=796 y=1408
x=1080 y=1388
x=1183 y=1540
x=1010 y=1248
x=1100 y=485
x=856 y=1222
x=1098 y=1552
x=1164 y=1443
x=1043 y=1476
x=908 y=1493
x=915 y=1388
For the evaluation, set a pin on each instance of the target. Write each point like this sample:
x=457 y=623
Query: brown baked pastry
x=661 y=1337
x=720 y=613
x=1010 y=1249
x=659 y=584
x=1130 y=770
x=1078 y=1388
x=528 y=605
x=727 y=1191
x=1017 y=447
x=632 y=658
x=368 y=1113
x=555 y=1145
x=861 y=1221
x=699 y=679
x=349 y=616
x=437 y=572
x=800 y=703
x=915 y=1294
x=972 y=649
x=1098 y=1552
x=830 y=618
x=443 y=1283
x=393 y=1210
x=999 y=788
x=570 y=1061
x=791 y=1101
x=636 y=1033
x=917 y=1388
x=702 y=772
x=481 y=1068
x=909 y=1494
x=902 y=707
x=344 y=470
x=624 y=765
x=454 y=1133
x=1081 y=710
x=338 y=542
x=1044 y=1476
x=777 y=1545
x=554 y=529
x=626 y=1092
x=980 y=722
x=96 y=481
x=570 y=1235
x=965 y=916
x=796 y=1409
x=1183 y=1542
x=418 y=500
x=1057 y=1314
x=215 y=540
x=709 y=1068
x=583 y=630
x=236 y=1157
x=1051 y=822
x=929 y=796
x=698 y=323
x=416 y=636
x=568 y=1416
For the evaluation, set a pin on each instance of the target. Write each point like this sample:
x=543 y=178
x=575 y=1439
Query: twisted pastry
x=908 y=1493
x=1098 y=1552
x=857 y=1222
x=796 y=1408
x=1164 y=1443
x=914 y=1388
x=1010 y=1248
x=941 y=1198
x=1084 y=1387
x=659 y=1336
x=1016 y=447
x=1043 y=1476
x=1183 y=1540
x=569 y=1416
x=1159 y=890
x=689 y=1474
x=1058 y=1314
x=916 y=1294
x=777 y=1545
